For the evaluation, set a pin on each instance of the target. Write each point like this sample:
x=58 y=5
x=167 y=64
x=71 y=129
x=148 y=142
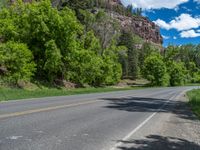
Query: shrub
x=18 y=61
x=53 y=63
x=177 y=73
x=155 y=70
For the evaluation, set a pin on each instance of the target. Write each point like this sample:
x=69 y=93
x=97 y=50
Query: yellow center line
x=15 y=114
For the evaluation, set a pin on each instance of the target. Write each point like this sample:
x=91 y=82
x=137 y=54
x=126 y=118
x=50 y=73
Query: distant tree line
x=178 y=65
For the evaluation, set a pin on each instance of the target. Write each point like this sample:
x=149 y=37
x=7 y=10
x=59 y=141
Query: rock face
x=115 y=2
x=147 y=30
x=141 y=26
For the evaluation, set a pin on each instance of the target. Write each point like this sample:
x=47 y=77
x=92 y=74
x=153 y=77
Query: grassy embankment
x=194 y=101
x=15 y=94
x=37 y=91
x=45 y=90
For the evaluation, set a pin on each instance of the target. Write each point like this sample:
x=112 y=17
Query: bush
x=177 y=73
x=53 y=63
x=18 y=61
x=155 y=70
x=112 y=71
x=84 y=67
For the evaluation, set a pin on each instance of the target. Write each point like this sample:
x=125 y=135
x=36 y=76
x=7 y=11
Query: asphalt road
x=82 y=122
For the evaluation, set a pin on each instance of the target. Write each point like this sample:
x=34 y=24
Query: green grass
x=192 y=84
x=15 y=94
x=194 y=101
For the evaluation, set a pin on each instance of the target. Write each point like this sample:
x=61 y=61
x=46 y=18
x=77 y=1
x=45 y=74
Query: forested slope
x=86 y=43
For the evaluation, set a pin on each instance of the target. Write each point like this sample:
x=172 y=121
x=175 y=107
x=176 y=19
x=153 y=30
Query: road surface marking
x=14 y=137
x=15 y=114
x=115 y=147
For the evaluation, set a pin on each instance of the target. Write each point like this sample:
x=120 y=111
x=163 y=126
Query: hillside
x=85 y=43
x=98 y=32
x=139 y=25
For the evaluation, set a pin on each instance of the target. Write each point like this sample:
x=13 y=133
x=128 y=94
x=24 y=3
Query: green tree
x=172 y=53
x=91 y=43
x=37 y=23
x=155 y=70
x=193 y=72
x=53 y=63
x=18 y=61
x=177 y=73
x=3 y=3
x=131 y=42
x=181 y=66
x=146 y=50
x=106 y=29
x=63 y=48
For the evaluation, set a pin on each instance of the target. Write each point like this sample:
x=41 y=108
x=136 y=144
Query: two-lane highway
x=81 y=122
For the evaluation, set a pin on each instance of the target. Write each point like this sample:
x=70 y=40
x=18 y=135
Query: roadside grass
x=192 y=84
x=16 y=94
x=194 y=101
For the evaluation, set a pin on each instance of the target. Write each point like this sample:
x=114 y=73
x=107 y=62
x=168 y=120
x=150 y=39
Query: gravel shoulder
x=174 y=128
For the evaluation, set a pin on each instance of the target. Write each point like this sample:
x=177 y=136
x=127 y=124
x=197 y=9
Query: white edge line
x=144 y=122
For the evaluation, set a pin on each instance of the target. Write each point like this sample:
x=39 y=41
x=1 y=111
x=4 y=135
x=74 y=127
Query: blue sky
x=179 y=20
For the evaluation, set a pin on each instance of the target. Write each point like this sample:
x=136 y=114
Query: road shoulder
x=174 y=128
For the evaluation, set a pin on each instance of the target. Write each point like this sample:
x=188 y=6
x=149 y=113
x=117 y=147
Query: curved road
x=83 y=122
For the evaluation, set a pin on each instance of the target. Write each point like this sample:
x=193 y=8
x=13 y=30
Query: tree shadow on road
x=141 y=104
x=156 y=142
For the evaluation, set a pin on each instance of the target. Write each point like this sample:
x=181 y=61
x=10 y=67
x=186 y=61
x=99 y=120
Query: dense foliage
x=60 y=46
x=155 y=70
x=80 y=42
x=181 y=63
x=131 y=64
x=18 y=60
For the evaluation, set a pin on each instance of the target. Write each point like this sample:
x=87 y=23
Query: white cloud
x=165 y=37
x=183 y=22
x=174 y=37
x=154 y=4
x=162 y=24
x=189 y=34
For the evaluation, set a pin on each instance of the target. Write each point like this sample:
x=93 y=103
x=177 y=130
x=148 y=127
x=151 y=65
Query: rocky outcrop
x=115 y=2
x=141 y=26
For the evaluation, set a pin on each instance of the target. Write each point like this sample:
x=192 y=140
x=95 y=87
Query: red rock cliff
x=141 y=26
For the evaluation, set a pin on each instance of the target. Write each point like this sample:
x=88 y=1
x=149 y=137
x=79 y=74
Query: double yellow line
x=16 y=114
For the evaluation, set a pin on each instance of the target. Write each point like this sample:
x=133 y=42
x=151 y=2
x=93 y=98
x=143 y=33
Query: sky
x=179 y=20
